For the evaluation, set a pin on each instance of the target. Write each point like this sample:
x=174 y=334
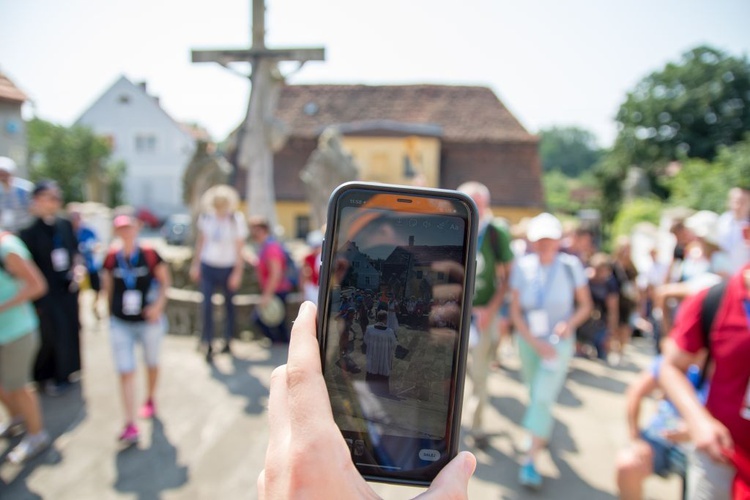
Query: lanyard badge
x=538 y=319
x=132 y=299
x=60 y=256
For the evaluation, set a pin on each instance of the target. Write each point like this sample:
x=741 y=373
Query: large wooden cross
x=255 y=151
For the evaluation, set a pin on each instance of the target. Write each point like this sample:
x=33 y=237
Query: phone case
x=423 y=475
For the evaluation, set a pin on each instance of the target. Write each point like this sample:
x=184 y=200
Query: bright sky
x=551 y=62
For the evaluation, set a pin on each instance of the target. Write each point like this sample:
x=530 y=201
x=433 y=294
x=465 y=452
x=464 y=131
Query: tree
x=635 y=212
x=689 y=109
x=570 y=150
x=703 y=185
x=77 y=159
x=686 y=110
x=566 y=195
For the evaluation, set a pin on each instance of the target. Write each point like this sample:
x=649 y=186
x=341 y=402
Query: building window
x=145 y=143
x=303 y=226
x=123 y=99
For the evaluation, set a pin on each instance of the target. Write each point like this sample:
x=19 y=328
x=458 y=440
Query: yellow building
x=429 y=135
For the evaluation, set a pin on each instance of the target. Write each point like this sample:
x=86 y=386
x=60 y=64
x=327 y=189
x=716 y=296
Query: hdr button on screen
x=429 y=455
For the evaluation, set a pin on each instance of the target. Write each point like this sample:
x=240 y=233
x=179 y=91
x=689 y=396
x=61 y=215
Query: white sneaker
x=28 y=448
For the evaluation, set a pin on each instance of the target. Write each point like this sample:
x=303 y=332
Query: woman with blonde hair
x=217 y=259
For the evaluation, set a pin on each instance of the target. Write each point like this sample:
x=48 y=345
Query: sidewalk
x=210 y=437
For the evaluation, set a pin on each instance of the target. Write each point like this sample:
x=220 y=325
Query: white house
x=155 y=149
x=12 y=126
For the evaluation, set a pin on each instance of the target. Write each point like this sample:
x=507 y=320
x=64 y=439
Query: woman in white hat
x=550 y=298
x=217 y=260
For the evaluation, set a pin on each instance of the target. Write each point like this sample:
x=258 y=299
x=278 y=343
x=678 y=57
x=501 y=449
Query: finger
x=278 y=404
x=262 y=485
x=453 y=480
x=307 y=393
x=726 y=446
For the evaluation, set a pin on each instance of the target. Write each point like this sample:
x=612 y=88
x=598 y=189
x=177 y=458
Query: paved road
x=210 y=437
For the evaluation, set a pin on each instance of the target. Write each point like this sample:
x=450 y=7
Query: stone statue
x=328 y=167
x=206 y=169
x=636 y=184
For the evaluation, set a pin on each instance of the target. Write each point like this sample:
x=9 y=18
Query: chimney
x=143 y=87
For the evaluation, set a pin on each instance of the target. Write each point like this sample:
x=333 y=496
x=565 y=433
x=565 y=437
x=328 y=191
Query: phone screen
x=393 y=309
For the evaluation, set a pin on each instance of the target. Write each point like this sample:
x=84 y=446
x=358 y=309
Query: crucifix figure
x=255 y=137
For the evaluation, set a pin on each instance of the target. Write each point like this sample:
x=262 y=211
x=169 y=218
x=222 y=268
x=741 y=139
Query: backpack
x=149 y=255
x=291 y=271
x=709 y=308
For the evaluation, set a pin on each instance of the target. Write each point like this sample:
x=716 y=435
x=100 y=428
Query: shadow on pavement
x=147 y=472
x=61 y=414
x=601 y=382
x=569 y=485
x=242 y=383
x=568 y=398
x=500 y=468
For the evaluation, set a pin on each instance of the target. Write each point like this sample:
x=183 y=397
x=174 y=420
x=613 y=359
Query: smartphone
x=397 y=279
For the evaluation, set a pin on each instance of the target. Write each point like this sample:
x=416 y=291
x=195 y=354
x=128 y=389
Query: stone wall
x=184 y=301
x=184 y=313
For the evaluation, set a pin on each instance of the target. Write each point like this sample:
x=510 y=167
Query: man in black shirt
x=54 y=248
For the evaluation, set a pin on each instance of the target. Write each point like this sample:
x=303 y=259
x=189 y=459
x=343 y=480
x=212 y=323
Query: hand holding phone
x=396 y=284
x=307 y=455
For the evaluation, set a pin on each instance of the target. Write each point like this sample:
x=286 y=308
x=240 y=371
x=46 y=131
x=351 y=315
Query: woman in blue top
x=550 y=298
x=20 y=283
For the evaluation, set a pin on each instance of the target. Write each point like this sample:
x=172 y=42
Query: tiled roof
x=9 y=92
x=465 y=114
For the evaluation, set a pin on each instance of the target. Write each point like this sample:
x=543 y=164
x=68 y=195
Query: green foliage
x=609 y=177
x=566 y=195
x=703 y=185
x=570 y=150
x=688 y=109
x=76 y=159
x=634 y=212
x=114 y=177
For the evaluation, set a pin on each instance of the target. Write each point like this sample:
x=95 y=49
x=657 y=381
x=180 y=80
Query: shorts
x=125 y=334
x=16 y=361
x=668 y=457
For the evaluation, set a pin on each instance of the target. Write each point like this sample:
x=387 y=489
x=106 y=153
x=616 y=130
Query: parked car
x=149 y=219
x=177 y=229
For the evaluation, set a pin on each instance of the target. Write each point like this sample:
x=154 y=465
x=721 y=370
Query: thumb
x=453 y=480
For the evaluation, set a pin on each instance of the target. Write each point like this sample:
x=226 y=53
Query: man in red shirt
x=310 y=273
x=720 y=430
x=271 y=267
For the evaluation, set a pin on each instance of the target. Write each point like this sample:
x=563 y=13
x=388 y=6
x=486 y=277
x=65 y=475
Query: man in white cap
x=15 y=197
